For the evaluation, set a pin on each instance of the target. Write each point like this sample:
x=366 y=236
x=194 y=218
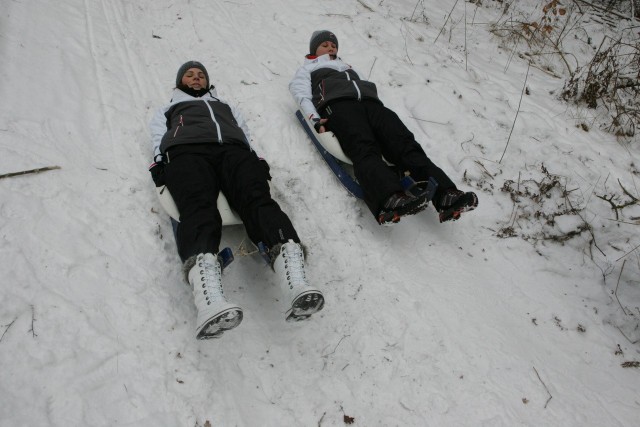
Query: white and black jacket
x=322 y=80
x=190 y=120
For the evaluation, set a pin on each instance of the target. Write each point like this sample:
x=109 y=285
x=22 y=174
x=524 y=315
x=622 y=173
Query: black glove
x=317 y=125
x=157 y=171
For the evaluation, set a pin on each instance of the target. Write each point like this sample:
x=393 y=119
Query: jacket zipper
x=354 y=85
x=213 y=118
x=180 y=124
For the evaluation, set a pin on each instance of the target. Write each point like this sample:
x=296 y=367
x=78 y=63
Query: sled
x=329 y=148
x=228 y=215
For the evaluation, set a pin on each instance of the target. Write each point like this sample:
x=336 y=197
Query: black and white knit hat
x=186 y=66
x=318 y=37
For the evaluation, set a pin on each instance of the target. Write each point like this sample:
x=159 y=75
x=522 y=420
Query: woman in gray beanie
x=201 y=147
x=333 y=96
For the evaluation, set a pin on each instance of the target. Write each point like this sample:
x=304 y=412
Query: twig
x=445 y=21
x=466 y=54
x=515 y=205
x=414 y=10
x=625 y=335
x=545 y=387
x=406 y=49
x=605 y=10
x=371 y=69
x=628 y=253
x=270 y=70
x=321 y=418
x=366 y=6
x=243 y=250
x=429 y=121
x=8 y=326
x=48 y=168
x=625 y=191
x=517 y=112
x=486 y=172
x=33 y=319
x=336 y=347
x=615 y=293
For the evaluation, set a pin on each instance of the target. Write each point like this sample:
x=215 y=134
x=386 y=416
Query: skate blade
x=224 y=322
x=305 y=305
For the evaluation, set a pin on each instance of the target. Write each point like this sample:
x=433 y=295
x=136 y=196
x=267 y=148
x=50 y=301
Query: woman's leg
x=244 y=181
x=193 y=184
x=349 y=122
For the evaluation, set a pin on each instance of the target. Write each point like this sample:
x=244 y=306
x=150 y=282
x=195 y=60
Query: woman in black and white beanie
x=333 y=96
x=201 y=147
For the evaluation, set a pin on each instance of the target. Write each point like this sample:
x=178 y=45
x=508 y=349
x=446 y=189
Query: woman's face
x=194 y=78
x=327 y=47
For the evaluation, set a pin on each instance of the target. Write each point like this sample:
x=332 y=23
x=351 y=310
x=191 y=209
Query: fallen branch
x=605 y=10
x=517 y=112
x=371 y=69
x=445 y=21
x=545 y=387
x=8 y=326
x=624 y=335
x=638 y=246
x=48 y=168
x=615 y=293
x=625 y=191
x=33 y=319
x=336 y=347
x=366 y=6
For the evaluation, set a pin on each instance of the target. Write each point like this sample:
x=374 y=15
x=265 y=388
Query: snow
x=494 y=320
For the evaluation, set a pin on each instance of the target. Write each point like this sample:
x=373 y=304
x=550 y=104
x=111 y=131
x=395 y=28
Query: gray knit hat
x=186 y=66
x=318 y=37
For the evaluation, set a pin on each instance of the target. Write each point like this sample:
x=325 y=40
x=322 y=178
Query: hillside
x=523 y=313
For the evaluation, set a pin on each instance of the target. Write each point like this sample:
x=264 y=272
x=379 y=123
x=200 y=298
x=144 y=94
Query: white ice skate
x=300 y=299
x=215 y=313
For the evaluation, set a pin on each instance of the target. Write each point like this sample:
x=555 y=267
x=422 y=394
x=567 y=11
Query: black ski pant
x=195 y=173
x=367 y=131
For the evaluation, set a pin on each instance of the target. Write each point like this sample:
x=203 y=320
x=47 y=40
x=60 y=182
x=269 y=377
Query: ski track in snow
x=425 y=324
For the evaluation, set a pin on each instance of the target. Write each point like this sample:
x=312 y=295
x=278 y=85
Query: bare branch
x=545 y=387
x=517 y=112
x=48 y=168
x=8 y=326
x=615 y=293
x=33 y=319
x=619 y=15
x=445 y=21
x=366 y=6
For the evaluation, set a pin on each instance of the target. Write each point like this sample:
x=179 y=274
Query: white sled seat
x=330 y=143
x=229 y=216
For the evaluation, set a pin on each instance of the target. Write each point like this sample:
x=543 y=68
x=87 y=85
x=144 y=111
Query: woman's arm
x=300 y=88
x=158 y=127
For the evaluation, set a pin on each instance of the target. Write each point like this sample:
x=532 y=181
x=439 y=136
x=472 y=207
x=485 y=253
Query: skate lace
x=210 y=279
x=294 y=266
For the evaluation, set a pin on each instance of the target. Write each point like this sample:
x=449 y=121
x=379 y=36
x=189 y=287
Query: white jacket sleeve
x=300 y=88
x=158 y=127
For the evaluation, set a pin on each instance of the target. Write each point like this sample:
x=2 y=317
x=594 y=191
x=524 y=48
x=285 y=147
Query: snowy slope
x=426 y=324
